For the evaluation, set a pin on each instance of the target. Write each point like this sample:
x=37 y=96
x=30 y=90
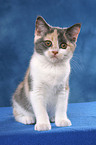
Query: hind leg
x=23 y=118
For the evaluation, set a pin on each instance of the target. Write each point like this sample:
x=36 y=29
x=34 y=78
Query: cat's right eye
x=48 y=43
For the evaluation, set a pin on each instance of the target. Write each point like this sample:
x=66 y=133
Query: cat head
x=54 y=43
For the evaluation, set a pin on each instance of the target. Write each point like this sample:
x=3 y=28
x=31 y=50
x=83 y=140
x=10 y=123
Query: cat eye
x=48 y=43
x=63 y=45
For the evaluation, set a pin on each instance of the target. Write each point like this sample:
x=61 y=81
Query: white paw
x=42 y=126
x=25 y=119
x=63 y=122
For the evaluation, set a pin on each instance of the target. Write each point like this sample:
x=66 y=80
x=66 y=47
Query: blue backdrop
x=17 y=24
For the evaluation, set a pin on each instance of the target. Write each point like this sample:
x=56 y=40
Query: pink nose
x=55 y=52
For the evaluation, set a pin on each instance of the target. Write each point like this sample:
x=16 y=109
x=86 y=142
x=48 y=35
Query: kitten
x=43 y=95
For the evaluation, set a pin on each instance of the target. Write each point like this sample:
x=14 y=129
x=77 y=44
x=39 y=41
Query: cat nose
x=55 y=52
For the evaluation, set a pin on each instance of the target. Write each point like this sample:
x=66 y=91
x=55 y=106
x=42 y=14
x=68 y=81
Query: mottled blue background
x=17 y=24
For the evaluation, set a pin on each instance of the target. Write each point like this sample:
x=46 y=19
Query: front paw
x=42 y=126
x=63 y=122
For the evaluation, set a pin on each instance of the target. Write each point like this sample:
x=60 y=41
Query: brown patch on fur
x=26 y=86
x=27 y=82
x=15 y=113
x=67 y=85
x=36 y=37
x=52 y=37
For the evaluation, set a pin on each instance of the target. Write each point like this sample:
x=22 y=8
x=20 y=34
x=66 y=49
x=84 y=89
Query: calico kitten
x=43 y=95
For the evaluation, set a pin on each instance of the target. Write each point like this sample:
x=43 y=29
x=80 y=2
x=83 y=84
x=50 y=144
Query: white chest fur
x=43 y=71
x=47 y=80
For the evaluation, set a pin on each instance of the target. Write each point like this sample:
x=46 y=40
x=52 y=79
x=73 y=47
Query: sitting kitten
x=43 y=95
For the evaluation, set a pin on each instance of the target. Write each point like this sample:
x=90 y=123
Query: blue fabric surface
x=17 y=24
x=82 y=131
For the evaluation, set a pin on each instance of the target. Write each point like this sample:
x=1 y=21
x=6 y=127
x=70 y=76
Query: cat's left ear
x=41 y=26
x=72 y=32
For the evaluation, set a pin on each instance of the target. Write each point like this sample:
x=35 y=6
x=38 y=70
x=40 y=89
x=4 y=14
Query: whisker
x=73 y=69
x=77 y=64
x=77 y=57
x=77 y=61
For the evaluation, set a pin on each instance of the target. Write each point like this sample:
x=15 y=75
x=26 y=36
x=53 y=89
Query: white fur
x=47 y=99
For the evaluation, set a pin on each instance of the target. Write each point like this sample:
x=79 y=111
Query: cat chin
x=54 y=59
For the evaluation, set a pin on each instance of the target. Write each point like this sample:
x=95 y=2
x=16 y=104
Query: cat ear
x=41 y=26
x=73 y=31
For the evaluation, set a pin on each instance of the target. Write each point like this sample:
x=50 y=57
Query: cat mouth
x=54 y=56
x=54 y=59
